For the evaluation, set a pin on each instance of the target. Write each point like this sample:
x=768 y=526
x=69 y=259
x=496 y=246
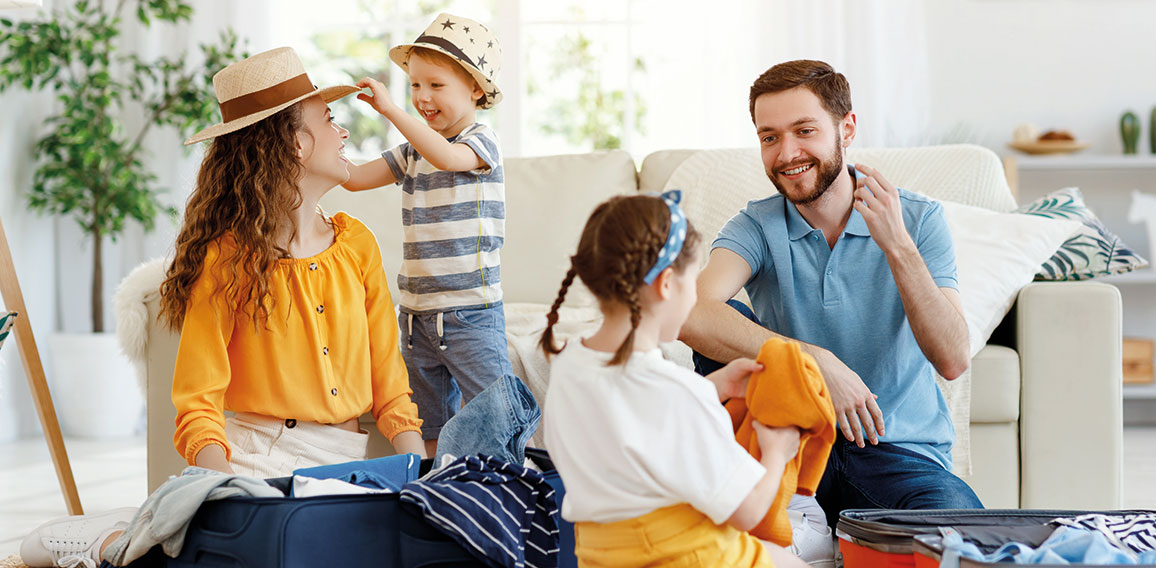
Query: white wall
x=1072 y=64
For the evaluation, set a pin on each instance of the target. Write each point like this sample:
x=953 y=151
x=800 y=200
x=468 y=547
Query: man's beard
x=829 y=167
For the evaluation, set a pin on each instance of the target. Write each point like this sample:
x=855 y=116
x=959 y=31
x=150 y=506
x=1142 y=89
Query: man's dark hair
x=818 y=77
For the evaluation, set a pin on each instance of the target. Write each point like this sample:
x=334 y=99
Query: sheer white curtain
x=880 y=45
x=174 y=165
x=701 y=62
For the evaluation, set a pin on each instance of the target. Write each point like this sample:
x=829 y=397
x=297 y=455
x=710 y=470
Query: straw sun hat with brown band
x=256 y=88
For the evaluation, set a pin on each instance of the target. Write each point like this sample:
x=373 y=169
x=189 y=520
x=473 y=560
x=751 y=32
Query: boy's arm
x=369 y=175
x=438 y=151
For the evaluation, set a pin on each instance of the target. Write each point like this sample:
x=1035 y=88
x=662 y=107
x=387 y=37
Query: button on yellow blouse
x=285 y=368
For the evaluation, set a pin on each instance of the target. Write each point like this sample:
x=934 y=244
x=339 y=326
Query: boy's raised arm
x=370 y=175
x=438 y=151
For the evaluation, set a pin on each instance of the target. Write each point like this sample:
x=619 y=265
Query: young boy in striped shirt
x=453 y=216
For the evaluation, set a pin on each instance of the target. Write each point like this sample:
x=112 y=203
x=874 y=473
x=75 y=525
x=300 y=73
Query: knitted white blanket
x=141 y=286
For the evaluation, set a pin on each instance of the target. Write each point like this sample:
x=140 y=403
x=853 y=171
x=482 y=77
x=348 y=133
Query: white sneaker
x=72 y=542
x=816 y=547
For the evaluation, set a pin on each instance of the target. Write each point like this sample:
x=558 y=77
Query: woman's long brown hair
x=246 y=190
x=619 y=245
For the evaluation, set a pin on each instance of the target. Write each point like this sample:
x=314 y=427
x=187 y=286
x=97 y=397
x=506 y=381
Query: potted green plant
x=90 y=160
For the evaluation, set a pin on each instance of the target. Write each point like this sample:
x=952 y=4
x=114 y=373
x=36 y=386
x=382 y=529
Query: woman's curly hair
x=619 y=245
x=246 y=190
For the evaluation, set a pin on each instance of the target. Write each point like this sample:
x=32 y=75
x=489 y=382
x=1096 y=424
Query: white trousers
x=267 y=447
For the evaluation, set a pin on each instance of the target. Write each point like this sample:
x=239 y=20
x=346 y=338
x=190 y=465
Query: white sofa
x=1045 y=422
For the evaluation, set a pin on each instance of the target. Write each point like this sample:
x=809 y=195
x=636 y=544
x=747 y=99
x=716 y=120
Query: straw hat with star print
x=469 y=43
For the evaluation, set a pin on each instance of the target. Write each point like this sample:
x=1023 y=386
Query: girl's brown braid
x=619 y=244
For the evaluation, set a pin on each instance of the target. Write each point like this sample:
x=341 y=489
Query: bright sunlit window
x=576 y=75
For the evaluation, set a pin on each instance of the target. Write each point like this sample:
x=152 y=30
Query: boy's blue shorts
x=450 y=368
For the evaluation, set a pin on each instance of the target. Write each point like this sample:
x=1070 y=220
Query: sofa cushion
x=538 y=243
x=658 y=167
x=547 y=202
x=995 y=385
x=997 y=254
x=995 y=469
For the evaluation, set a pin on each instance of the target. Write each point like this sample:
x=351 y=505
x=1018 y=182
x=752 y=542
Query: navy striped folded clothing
x=1135 y=532
x=503 y=513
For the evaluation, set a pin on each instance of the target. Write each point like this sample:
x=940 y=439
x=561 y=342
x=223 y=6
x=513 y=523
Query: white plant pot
x=94 y=386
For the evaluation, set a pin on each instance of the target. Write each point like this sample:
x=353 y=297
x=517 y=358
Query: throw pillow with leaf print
x=1093 y=251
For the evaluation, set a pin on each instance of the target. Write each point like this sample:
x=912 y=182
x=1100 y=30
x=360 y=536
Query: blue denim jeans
x=884 y=476
x=452 y=356
x=498 y=423
x=887 y=476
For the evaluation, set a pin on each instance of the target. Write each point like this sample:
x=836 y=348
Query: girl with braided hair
x=652 y=471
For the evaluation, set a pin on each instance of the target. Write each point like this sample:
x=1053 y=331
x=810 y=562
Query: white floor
x=112 y=474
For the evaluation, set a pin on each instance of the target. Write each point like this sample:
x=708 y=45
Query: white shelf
x=1084 y=161
x=1147 y=391
x=1142 y=276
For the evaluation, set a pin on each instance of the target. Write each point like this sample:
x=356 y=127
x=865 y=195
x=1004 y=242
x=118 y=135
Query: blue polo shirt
x=845 y=300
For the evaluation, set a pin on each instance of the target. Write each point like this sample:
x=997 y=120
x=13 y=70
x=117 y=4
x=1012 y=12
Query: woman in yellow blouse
x=284 y=313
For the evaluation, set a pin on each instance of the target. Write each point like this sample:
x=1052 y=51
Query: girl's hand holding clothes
x=779 y=445
x=731 y=380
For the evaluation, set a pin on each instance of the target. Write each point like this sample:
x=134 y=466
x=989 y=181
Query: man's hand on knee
x=859 y=417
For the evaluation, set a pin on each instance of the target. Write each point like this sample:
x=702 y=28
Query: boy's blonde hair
x=439 y=58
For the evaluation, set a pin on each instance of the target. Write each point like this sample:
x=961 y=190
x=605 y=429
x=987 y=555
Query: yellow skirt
x=672 y=536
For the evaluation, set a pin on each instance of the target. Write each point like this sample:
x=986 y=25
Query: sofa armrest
x=1069 y=337
x=161 y=349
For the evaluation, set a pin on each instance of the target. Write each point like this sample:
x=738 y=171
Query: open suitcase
x=332 y=530
x=290 y=532
x=875 y=538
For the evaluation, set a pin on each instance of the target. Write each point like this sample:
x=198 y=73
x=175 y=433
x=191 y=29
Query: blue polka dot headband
x=674 y=239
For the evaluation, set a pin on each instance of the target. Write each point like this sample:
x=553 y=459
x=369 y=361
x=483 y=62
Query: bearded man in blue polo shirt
x=862 y=273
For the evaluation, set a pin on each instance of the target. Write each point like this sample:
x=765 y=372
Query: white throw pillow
x=996 y=254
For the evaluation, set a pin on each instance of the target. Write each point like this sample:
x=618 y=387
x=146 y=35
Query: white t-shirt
x=628 y=440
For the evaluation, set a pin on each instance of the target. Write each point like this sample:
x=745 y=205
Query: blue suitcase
x=566 y=558
x=332 y=530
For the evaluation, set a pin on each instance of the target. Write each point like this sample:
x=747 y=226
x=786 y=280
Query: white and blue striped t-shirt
x=454 y=224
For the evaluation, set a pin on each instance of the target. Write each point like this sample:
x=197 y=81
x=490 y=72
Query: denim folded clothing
x=501 y=512
x=498 y=422
x=389 y=473
x=164 y=517
x=1066 y=545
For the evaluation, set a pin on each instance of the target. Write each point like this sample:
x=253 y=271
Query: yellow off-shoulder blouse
x=328 y=353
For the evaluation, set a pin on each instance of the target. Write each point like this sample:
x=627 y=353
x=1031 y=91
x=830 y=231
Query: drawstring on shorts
x=441 y=331
x=409 y=336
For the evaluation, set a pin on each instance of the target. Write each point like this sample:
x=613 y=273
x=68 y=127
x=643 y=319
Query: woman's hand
x=380 y=100
x=212 y=457
x=409 y=442
x=731 y=380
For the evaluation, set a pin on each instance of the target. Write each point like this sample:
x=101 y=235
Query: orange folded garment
x=789 y=391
